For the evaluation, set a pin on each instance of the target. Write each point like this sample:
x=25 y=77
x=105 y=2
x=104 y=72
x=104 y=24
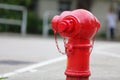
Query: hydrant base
x=76 y=78
x=77 y=73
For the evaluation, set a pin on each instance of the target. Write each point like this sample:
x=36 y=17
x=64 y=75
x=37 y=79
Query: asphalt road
x=18 y=53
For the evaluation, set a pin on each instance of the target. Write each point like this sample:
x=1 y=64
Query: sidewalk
x=105 y=59
x=102 y=68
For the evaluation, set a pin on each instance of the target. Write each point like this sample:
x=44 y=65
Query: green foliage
x=101 y=35
x=10 y=14
x=1 y=78
x=17 y=2
x=34 y=25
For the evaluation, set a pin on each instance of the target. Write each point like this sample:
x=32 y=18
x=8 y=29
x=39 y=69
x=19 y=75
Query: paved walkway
x=36 y=58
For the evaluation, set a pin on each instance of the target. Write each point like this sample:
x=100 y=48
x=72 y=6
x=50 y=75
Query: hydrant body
x=80 y=27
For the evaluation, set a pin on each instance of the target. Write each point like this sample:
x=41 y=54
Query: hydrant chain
x=59 y=50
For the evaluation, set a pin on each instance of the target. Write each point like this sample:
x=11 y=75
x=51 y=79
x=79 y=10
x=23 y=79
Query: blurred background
x=34 y=16
x=26 y=39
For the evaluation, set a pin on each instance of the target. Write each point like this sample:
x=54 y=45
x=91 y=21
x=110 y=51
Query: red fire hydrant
x=80 y=27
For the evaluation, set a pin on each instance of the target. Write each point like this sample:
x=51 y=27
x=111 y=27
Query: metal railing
x=46 y=24
x=22 y=23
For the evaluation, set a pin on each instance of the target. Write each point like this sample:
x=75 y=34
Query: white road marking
x=32 y=67
x=33 y=70
x=41 y=64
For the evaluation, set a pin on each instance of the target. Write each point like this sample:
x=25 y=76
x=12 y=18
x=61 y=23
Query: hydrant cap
x=88 y=23
x=78 y=23
x=55 y=23
x=62 y=26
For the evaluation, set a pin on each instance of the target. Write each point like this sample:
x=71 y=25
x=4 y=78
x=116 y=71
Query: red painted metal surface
x=80 y=27
x=76 y=78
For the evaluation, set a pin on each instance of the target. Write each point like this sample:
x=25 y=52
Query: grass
x=2 y=78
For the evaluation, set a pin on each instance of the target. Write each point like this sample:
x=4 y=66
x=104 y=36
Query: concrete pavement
x=19 y=52
x=102 y=68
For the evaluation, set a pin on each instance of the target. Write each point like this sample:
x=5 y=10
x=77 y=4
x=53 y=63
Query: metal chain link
x=64 y=40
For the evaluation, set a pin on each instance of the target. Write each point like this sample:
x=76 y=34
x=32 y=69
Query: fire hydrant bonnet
x=85 y=24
